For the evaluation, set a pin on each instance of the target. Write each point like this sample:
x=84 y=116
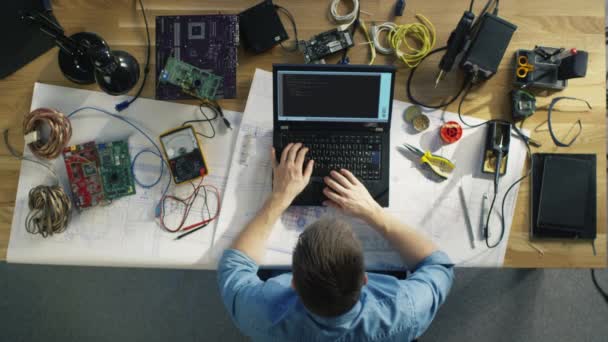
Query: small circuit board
x=82 y=166
x=325 y=44
x=115 y=169
x=192 y=80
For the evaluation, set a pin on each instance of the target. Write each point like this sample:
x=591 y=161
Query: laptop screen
x=333 y=96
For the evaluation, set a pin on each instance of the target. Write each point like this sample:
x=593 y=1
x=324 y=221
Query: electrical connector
x=399 y=7
x=31 y=137
x=122 y=106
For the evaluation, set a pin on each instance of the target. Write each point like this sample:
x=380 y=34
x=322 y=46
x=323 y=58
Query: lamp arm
x=50 y=28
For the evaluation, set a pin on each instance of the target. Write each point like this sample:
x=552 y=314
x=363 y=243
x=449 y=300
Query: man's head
x=328 y=268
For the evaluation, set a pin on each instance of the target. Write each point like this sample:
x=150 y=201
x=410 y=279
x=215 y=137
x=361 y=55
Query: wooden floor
x=543 y=22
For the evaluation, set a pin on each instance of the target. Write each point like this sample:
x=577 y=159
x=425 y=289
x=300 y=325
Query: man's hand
x=290 y=177
x=346 y=192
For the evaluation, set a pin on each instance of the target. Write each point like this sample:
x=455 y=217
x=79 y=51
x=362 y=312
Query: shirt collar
x=347 y=317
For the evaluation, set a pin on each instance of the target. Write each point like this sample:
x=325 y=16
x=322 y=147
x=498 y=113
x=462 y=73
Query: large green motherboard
x=115 y=169
x=192 y=80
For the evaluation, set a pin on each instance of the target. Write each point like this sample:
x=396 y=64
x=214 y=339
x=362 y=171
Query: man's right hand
x=346 y=193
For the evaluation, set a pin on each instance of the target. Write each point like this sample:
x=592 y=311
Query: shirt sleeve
x=427 y=287
x=240 y=287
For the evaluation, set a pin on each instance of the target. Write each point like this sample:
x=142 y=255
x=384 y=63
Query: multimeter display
x=184 y=154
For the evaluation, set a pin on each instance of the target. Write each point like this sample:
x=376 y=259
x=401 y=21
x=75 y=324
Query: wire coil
x=60 y=132
x=347 y=19
x=49 y=210
x=422 y=32
x=376 y=30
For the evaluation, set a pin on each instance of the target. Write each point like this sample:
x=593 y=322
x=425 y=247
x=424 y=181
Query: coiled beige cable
x=60 y=132
x=49 y=210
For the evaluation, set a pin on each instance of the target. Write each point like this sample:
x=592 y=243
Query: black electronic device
x=523 y=104
x=573 y=66
x=86 y=58
x=343 y=114
x=487 y=47
x=184 y=154
x=325 y=44
x=261 y=27
x=563 y=196
x=496 y=151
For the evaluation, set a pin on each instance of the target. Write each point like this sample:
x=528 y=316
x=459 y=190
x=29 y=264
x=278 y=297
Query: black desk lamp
x=86 y=58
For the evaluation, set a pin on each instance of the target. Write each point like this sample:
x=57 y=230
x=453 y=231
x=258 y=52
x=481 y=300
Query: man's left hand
x=290 y=176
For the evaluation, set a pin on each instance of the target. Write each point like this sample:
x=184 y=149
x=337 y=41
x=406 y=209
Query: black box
x=488 y=46
x=261 y=27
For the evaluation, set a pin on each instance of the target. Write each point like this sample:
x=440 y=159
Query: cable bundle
x=422 y=32
x=347 y=19
x=376 y=30
x=49 y=210
x=188 y=203
x=60 y=132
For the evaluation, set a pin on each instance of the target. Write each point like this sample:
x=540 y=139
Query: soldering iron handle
x=499 y=155
x=457 y=41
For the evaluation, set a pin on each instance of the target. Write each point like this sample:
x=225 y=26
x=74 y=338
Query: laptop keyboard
x=360 y=154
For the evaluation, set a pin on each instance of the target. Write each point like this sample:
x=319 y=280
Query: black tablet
x=563 y=197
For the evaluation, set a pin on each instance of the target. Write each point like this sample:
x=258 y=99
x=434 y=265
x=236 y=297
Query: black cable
x=526 y=141
x=471 y=5
x=295 y=29
x=205 y=205
x=552 y=105
x=125 y=104
x=504 y=199
x=408 y=87
x=598 y=287
x=354 y=27
x=486 y=226
x=464 y=96
x=206 y=119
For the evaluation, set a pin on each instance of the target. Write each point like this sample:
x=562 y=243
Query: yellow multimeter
x=184 y=154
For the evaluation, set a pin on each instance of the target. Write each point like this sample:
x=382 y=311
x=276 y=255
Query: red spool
x=451 y=132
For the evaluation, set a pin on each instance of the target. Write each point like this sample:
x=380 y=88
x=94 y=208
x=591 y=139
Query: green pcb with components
x=194 y=81
x=115 y=169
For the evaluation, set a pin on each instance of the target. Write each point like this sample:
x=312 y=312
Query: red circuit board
x=82 y=166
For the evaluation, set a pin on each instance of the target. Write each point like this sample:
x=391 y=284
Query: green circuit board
x=192 y=80
x=115 y=169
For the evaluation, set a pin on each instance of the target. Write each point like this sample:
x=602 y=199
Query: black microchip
x=89 y=169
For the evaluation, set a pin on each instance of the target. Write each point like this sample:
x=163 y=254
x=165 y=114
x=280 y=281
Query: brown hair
x=328 y=267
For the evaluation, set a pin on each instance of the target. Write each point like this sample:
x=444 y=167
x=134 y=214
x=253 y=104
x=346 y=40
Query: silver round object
x=412 y=112
x=421 y=122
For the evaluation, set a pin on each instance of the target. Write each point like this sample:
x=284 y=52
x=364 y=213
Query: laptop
x=343 y=114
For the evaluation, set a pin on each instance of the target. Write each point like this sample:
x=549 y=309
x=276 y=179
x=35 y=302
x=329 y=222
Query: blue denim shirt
x=389 y=309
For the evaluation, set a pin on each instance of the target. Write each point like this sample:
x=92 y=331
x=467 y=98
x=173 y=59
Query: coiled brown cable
x=60 y=132
x=49 y=210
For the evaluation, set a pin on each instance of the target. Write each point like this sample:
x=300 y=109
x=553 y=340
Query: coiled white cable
x=347 y=19
x=376 y=30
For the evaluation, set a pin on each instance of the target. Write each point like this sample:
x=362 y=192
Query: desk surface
x=543 y=22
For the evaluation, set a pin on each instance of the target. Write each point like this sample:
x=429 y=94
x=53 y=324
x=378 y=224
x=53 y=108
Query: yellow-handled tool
x=440 y=166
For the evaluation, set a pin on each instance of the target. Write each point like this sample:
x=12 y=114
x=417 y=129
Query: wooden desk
x=542 y=22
